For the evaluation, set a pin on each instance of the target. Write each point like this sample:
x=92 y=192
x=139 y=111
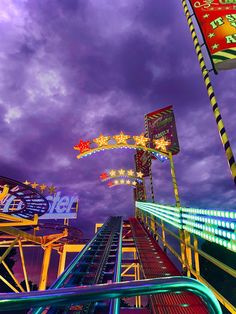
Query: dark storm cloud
x=73 y=69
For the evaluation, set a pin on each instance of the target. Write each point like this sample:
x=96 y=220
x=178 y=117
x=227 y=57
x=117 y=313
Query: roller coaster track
x=98 y=263
x=155 y=263
x=32 y=202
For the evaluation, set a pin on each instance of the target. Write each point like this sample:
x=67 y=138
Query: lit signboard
x=217 y=21
x=60 y=207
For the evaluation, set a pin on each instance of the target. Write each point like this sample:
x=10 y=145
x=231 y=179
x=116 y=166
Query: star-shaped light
x=42 y=187
x=112 y=173
x=210 y=35
x=121 y=172
x=116 y=182
x=104 y=176
x=101 y=140
x=52 y=189
x=110 y=184
x=134 y=183
x=83 y=146
x=121 y=138
x=122 y=181
x=215 y=46
x=128 y=182
x=161 y=144
x=139 y=174
x=34 y=185
x=141 y=140
x=26 y=182
x=206 y=16
x=130 y=173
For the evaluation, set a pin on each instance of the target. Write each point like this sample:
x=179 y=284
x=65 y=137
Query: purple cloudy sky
x=70 y=69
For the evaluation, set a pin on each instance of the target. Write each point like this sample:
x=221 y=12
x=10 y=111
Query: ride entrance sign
x=60 y=207
x=217 y=22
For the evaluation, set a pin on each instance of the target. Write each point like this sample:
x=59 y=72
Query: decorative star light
x=34 y=185
x=42 y=187
x=122 y=181
x=26 y=182
x=139 y=174
x=134 y=183
x=52 y=189
x=130 y=173
x=121 y=172
x=141 y=140
x=121 y=138
x=103 y=176
x=101 y=140
x=161 y=144
x=112 y=173
x=83 y=146
x=116 y=182
x=110 y=184
x=206 y=16
x=128 y=182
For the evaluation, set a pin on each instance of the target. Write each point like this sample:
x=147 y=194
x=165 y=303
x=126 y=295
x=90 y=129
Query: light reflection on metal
x=80 y=295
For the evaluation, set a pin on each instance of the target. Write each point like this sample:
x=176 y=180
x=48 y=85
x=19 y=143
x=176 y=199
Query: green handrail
x=80 y=295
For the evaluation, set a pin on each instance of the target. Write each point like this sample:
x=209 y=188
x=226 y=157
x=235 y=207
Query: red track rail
x=155 y=263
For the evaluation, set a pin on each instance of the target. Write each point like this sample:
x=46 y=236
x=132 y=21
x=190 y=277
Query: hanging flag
x=161 y=124
x=217 y=22
x=142 y=162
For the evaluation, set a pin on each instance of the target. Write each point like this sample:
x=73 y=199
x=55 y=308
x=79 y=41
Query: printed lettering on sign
x=217 y=21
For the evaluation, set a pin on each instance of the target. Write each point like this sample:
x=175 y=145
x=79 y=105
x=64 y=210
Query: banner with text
x=217 y=21
x=161 y=123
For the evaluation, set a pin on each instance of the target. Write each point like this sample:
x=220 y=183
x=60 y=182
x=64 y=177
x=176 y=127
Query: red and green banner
x=161 y=124
x=217 y=21
x=142 y=162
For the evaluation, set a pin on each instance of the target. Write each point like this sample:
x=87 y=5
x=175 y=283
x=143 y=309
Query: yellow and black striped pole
x=175 y=186
x=211 y=94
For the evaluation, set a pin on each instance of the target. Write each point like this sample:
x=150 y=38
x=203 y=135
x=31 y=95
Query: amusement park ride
x=126 y=258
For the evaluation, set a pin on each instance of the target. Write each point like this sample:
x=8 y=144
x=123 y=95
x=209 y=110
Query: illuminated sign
x=60 y=207
x=160 y=126
x=217 y=21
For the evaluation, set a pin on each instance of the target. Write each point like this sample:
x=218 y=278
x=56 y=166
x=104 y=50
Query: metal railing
x=222 y=223
x=81 y=295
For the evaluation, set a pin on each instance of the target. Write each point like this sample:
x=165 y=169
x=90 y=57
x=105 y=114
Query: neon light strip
x=177 y=215
x=116 y=146
x=212 y=221
x=164 y=217
x=217 y=213
x=112 y=186
x=193 y=223
x=222 y=233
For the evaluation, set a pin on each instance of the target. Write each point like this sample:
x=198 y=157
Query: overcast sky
x=71 y=69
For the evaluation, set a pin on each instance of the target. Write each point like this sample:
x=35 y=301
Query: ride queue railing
x=216 y=226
